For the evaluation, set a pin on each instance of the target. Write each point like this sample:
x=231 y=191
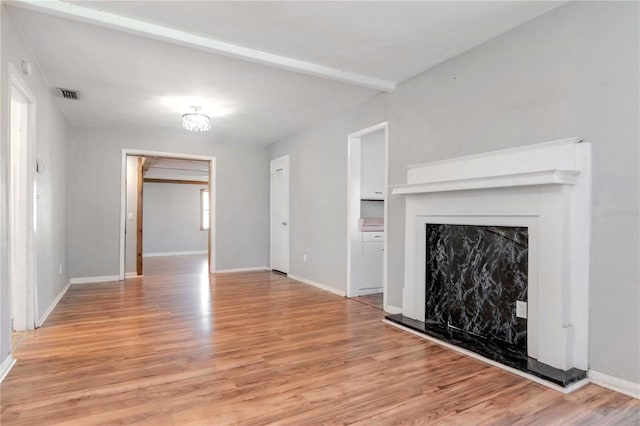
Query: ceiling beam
x=182 y=38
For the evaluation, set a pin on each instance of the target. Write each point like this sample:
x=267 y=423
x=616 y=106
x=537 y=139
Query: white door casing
x=21 y=205
x=354 y=194
x=123 y=199
x=279 y=251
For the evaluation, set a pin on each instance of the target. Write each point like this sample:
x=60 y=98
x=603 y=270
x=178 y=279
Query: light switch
x=130 y=216
x=521 y=309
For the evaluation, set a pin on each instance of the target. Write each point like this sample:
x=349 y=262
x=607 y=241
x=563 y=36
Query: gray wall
x=318 y=194
x=171 y=218
x=51 y=207
x=94 y=196
x=571 y=72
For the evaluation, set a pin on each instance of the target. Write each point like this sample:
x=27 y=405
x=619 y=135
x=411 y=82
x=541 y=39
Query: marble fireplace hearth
x=497 y=258
x=491 y=351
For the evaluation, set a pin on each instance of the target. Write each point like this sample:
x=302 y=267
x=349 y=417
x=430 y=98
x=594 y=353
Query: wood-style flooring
x=180 y=347
x=373 y=300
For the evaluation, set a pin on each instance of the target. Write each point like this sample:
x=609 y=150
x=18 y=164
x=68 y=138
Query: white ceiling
x=392 y=40
x=134 y=81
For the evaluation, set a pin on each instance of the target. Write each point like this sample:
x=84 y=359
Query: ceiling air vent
x=67 y=93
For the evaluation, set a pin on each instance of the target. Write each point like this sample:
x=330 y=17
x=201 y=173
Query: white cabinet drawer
x=370 y=237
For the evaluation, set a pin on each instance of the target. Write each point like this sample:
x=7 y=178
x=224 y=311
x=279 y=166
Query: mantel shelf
x=545 y=177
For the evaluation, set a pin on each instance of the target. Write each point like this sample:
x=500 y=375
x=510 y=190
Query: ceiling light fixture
x=196 y=122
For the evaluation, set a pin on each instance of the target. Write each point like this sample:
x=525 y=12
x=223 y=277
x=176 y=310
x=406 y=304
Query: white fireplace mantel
x=544 y=177
x=541 y=164
x=546 y=187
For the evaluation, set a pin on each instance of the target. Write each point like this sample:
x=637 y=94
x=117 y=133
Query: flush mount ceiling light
x=195 y=121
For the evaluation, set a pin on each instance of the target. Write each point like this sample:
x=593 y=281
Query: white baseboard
x=368 y=291
x=254 y=268
x=53 y=304
x=471 y=354
x=316 y=284
x=100 y=279
x=615 y=383
x=174 y=253
x=392 y=309
x=6 y=366
x=132 y=275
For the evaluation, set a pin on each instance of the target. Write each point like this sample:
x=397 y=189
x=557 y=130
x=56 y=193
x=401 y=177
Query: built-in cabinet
x=372 y=262
x=372 y=191
x=372 y=169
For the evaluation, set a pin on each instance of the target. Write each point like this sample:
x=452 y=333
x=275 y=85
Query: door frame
x=212 y=198
x=354 y=236
x=31 y=291
x=283 y=158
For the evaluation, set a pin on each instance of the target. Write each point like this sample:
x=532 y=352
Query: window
x=204 y=209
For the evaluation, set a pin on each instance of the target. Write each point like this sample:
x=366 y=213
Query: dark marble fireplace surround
x=474 y=276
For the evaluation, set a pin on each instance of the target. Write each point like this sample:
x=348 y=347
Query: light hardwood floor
x=373 y=300
x=180 y=347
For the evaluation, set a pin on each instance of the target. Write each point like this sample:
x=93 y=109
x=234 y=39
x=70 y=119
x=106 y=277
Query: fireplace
x=497 y=256
x=476 y=278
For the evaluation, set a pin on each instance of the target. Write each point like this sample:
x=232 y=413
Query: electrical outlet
x=130 y=216
x=304 y=257
x=521 y=309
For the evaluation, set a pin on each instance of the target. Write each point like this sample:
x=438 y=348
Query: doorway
x=367 y=184
x=167 y=208
x=280 y=214
x=21 y=205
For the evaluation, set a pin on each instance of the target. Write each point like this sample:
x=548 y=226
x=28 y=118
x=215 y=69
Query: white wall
x=131 y=224
x=242 y=188
x=52 y=184
x=571 y=72
x=171 y=218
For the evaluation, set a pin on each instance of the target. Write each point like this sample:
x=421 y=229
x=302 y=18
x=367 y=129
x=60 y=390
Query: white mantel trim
x=514 y=150
x=545 y=177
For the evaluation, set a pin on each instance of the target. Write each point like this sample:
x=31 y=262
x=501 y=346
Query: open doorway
x=168 y=211
x=21 y=205
x=367 y=215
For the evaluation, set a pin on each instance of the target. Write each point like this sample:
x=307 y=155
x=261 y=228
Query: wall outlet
x=60 y=269
x=130 y=216
x=304 y=257
x=521 y=309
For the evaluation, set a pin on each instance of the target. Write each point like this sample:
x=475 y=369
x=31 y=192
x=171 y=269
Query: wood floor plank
x=181 y=347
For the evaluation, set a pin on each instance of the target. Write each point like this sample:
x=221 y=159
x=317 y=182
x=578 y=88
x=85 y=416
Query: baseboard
x=318 y=285
x=132 y=275
x=6 y=366
x=393 y=309
x=471 y=354
x=615 y=383
x=368 y=291
x=174 y=253
x=100 y=279
x=254 y=268
x=53 y=304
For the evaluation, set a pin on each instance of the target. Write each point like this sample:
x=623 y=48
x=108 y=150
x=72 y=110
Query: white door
x=280 y=214
x=20 y=218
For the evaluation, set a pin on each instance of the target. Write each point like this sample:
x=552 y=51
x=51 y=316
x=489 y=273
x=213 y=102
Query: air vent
x=67 y=93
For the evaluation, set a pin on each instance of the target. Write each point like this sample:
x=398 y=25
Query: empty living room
x=319 y=212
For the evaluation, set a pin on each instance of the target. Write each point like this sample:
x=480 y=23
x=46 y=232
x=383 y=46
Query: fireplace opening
x=476 y=283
